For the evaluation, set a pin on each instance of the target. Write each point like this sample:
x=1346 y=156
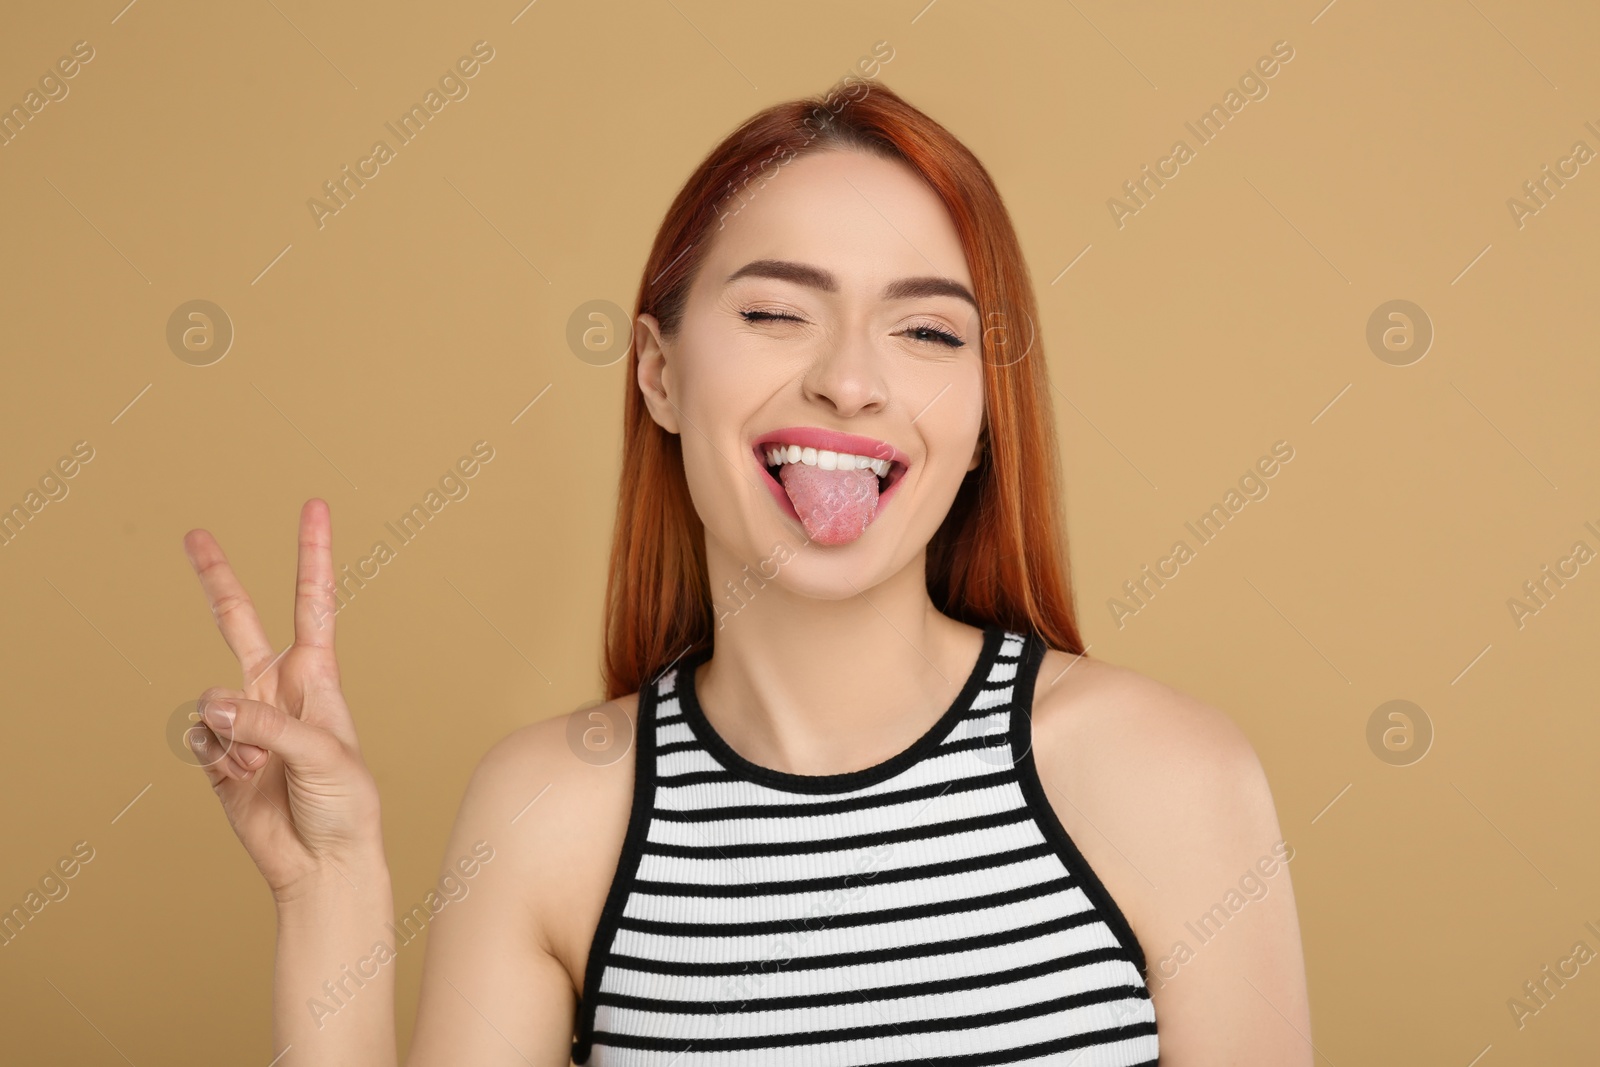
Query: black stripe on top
x=673 y=948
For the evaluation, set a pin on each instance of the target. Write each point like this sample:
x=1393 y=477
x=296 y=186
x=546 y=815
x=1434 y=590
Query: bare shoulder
x=1164 y=794
x=1156 y=736
x=559 y=793
x=536 y=840
x=1170 y=806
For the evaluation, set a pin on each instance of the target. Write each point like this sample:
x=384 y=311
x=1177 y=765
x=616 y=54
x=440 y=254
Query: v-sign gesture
x=281 y=752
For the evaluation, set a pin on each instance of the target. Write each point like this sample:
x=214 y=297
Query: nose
x=846 y=377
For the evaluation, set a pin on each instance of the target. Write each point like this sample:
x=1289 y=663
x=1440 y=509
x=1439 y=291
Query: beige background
x=1228 y=314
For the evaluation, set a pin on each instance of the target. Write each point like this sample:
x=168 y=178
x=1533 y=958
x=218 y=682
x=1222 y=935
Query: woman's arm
x=332 y=998
x=494 y=991
x=282 y=756
x=1227 y=970
x=1165 y=797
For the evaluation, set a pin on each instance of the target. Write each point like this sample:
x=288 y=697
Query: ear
x=655 y=380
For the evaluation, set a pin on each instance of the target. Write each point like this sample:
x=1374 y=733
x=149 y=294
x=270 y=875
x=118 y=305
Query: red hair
x=1000 y=556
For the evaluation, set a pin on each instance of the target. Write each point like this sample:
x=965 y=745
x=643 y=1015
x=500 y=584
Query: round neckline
x=844 y=781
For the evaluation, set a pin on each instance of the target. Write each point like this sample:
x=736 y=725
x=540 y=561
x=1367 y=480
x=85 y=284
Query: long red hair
x=1000 y=556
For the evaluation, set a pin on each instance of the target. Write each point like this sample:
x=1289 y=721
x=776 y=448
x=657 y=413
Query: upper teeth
x=777 y=455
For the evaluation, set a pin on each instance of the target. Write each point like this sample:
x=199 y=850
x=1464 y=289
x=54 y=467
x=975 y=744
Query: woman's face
x=830 y=318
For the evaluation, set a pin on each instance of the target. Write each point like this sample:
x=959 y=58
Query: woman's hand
x=281 y=753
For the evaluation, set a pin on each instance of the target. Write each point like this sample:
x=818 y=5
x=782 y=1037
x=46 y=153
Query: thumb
x=256 y=723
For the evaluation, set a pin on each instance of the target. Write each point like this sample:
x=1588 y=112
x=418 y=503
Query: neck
x=812 y=685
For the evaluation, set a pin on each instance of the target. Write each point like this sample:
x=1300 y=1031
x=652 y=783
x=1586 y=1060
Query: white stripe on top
x=930 y=909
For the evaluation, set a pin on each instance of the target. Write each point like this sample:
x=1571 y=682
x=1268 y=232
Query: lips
x=831 y=440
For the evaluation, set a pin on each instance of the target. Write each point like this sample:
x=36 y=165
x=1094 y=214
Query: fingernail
x=219 y=715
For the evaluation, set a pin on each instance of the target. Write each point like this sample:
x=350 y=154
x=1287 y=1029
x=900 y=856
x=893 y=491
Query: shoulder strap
x=644 y=788
x=1033 y=789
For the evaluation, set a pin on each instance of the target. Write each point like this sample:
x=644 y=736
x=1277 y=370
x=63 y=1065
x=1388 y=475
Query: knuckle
x=263 y=722
x=228 y=603
x=315 y=586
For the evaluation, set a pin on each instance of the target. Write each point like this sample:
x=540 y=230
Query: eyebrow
x=817 y=278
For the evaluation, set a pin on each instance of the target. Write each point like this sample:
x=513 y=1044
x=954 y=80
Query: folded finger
x=239 y=720
x=211 y=752
x=245 y=767
x=249 y=757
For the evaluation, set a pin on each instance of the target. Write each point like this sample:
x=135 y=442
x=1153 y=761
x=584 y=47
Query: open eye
x=933 y=334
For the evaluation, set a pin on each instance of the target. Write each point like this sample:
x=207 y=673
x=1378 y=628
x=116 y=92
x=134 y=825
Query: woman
x=898 y=816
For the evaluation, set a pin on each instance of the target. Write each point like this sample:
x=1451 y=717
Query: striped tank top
x=930 y=909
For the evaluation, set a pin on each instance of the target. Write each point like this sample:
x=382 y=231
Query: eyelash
x=940 y=337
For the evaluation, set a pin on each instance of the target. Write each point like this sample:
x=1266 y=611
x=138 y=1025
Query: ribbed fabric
x=930 y=909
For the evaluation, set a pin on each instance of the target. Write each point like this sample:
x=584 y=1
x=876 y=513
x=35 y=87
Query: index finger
x=230 y=604
x=314 y=600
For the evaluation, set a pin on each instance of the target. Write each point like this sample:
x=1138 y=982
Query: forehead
x=862 y=217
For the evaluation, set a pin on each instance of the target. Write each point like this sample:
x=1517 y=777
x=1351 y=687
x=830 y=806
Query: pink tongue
x=835 y=506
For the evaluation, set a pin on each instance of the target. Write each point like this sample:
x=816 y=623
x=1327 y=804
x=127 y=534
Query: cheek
x=723 y=387
x=720 y=390
x=951 y=420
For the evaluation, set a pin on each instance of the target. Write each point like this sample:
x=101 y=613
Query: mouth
x=834 y=484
